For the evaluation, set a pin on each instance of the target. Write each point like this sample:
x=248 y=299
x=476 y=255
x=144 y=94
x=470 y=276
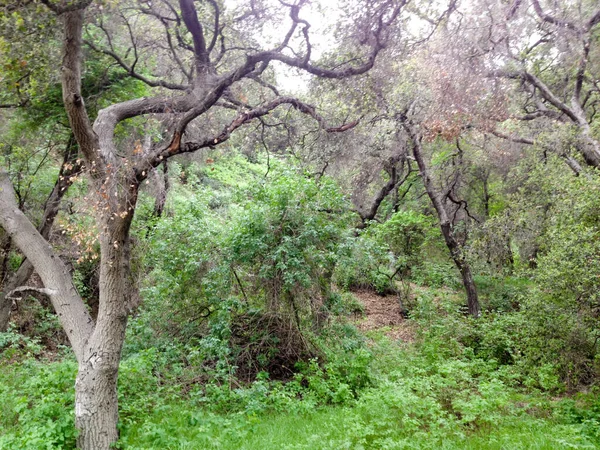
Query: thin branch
x=547 y=94
x=511 y=138
x=216 y=29
x=176 y=147
x=131 y=70
x=27 y=289
x=581 y=69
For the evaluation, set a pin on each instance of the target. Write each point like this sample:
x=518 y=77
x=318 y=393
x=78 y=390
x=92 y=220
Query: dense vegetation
x=245 y=263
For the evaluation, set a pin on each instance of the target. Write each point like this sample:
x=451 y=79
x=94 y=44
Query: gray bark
x=96 y=405
x=69 y=169
x=69 y=306
x=436 y=197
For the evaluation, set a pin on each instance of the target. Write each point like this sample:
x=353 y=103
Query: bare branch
x=569 y=160
x=511 y=138
x=190 y=18
x=177 y=147
x=216 y=29
x=28 y=289
x=263 y=83
x=551 y=19
x=513 y=9
x=547 y=94
x=131 y=70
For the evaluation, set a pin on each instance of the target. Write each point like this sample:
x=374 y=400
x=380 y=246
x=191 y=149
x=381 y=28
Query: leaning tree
x=202 y=63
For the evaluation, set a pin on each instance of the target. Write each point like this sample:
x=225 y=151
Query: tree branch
x=190 y=19
x=177 y=147
x=72 y=98
x=26 y=289
x=67 y=303
x=132 y=73
x=551 y=19
x=547 y=94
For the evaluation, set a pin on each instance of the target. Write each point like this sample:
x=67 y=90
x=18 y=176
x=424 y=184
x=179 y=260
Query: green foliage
x=289 y=236
x=387 y=397
x=391 y=251
x=438 y=272
x=247 y=265
x=364 y=264
x=16 y=346
x=37 y=402
x=502 y=294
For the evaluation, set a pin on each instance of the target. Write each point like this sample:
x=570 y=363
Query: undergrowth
x=440 y=392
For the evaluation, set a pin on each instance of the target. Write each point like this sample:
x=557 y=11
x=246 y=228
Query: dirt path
x=384 y=312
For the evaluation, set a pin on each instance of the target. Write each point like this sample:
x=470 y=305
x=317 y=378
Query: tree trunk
x=96 y=406
x=456 y=251
x=70 y=168
x=97 y=347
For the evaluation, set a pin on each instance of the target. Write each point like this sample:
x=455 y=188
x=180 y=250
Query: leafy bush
x=386 y=253
x=251 y=278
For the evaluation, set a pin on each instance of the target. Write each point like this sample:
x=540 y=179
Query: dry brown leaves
x=384 y=312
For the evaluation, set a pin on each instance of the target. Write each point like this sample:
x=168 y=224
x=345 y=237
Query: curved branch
x=547 y=94
x=72 y=98
x=176 y=147
x=551 y=19
x=132 y=73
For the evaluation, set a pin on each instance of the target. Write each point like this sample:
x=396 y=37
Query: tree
x=549 y=49
x=439 y=199
x=200 y=65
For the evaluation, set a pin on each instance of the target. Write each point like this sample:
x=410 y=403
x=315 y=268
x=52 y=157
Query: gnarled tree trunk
x=97 y=346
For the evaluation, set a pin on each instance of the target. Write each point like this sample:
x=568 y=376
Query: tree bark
x=97 y=348
x=96 y=405
x=69 y=169
x=456 y=250
x=69 y=306
x=162 y=189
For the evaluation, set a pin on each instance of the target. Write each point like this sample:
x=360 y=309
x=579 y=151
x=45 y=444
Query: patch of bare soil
x=384 y=311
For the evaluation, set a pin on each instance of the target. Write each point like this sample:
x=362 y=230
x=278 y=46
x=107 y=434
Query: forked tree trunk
x=456 y=250
x=97 y=347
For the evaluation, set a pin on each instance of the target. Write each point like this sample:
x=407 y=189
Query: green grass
x=434 y=394
x=343 y=428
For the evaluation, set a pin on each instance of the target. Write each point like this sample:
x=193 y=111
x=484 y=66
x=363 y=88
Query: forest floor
x=384 y=312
